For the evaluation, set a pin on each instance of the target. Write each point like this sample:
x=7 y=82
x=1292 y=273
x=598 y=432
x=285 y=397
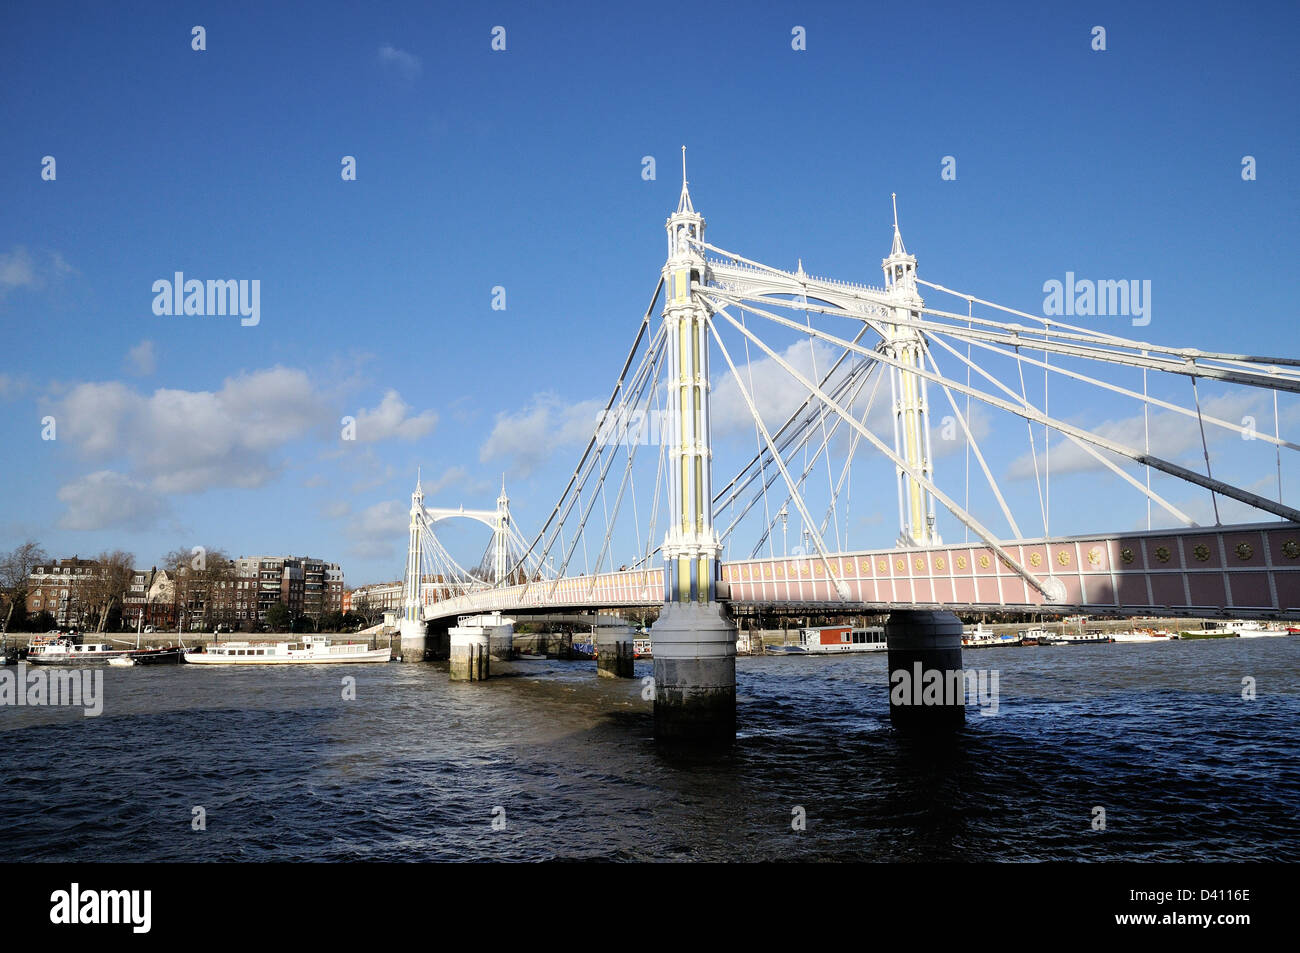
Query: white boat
x=124 y=660
x=1142 y=635
x=983 y=637
x=312 y=650
x=837 y=639
x=1257 y=630
x=69 y=650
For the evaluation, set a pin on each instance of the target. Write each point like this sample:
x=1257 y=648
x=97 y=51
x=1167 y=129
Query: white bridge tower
x=910 y=401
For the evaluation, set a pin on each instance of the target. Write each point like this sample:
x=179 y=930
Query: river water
x=547 y=761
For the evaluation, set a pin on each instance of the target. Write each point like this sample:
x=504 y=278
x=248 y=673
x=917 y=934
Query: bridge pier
x=477 y=640
x=614 y=650
x=469 y=654
x=925 y=696
x=695 y=674
x=415 y=642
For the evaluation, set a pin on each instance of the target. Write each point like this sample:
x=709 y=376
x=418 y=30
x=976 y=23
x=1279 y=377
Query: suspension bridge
x=822 y=350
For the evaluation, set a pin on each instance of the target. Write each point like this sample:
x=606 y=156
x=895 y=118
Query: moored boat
x=70 y=650
x=1084 y=638
x=837 y=639
x=311 y=650
x=1141 y=635
x=1258 y=630
x=982 y=637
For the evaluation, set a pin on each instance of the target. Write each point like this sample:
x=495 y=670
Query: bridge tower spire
x=412 y=624
x=910 y=400
x=501 y=537
x=694 y=641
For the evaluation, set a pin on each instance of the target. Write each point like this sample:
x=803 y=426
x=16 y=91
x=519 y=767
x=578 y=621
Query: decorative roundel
x=780 y=570
x=1291 y=549
x=1063 y=558
x=1035 y=560
x=767 y=572
x=939 y=564
x=866 y=565
x=1201 y=552
x=900 y=565
x=919 y=564
x=961 y=562
x=1245 y=551
x=817 y=569
x=1126 y=554
x=984 y=560
x=1162 y=553
x=1094 y=556
x=882 y=566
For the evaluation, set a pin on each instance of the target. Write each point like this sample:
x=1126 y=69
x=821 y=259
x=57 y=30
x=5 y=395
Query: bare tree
x=107 y=587
x=15 y=568
x=204 y=581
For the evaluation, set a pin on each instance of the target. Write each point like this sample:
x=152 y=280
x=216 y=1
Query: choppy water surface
x=1158 y=735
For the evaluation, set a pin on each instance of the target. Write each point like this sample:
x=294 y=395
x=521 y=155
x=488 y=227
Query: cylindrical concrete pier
x=614 y=650
x=695 y=674
x=414 y=640
x=926 y=682
x=469 y=654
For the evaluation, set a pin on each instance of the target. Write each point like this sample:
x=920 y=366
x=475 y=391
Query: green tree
x=41 y=622
x=278 y=617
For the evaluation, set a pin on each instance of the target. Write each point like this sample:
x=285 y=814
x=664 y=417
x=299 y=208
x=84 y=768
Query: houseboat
x=836 y=639
x=1142 y=635
x=1257 y=630
x=70 y=650
x=983 y=637
x=1082 y=638
x=312 y=650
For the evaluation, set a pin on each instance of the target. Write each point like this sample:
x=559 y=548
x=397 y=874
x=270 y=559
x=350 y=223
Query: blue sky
x=522 y=169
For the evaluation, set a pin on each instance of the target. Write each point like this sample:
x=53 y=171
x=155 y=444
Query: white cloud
x=776 y=393
x=337 y=509
x=406 y=64
x=1172 y=434
x=141 y=359
x=180 y=441
x=376 y=530
x=20 y=269
x=107 y=499
x=526 y=439
x=11 y=386
x=392 y=419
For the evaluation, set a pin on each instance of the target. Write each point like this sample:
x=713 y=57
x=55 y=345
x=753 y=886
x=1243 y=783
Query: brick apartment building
x=59 y=589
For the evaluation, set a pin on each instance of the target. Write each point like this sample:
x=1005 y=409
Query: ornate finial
x=684 y=204
x=898 y=248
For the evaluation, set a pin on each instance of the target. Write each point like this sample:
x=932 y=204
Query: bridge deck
x=1250 y=571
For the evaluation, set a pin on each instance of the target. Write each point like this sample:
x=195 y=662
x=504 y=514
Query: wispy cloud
x=19 y=268
x=392 y=418
x=407 y=65
x=526 y=439
x=141 y=359
x=107 y=499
